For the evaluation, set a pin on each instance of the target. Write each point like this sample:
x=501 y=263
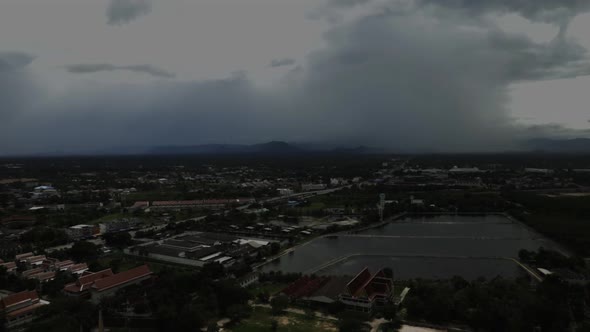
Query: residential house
x=19 y=308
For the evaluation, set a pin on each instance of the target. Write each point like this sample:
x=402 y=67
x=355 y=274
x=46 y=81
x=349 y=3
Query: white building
x=313 y=186
x=285 y=191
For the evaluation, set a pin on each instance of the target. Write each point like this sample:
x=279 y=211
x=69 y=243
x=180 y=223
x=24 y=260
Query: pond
x=438 y=246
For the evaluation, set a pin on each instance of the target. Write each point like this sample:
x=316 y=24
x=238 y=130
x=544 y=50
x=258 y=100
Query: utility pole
x=381 y=206
x=100 y=321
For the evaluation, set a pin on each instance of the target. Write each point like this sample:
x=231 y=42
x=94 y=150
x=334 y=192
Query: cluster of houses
x=20 y=308
x=41 y=268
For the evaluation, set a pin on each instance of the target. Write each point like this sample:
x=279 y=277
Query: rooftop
x=122 y=278
x=18 y=298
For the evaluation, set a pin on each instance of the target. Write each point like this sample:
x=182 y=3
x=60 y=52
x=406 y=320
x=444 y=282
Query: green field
x=261 y=320
x=270 y=288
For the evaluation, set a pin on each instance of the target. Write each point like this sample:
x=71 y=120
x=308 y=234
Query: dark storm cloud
x=14 y=60
x=530 y=61
x=551 y=11
x=16 y=86
x=282 y=62
x=99 y=67
x=414 y=82
x=347 y=3
x=125 y=11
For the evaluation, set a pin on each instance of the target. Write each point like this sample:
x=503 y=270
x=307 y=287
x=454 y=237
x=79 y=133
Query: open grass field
x=261 y=320
x=270 y=288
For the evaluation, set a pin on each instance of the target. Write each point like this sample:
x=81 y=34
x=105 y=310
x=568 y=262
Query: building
x=19 y=308
x=248 y=279
x=313 y=186
x=97 y=285
x=81 y=287
x=29 y=273
x=119 y=225
x=285 y=191
x=77 y=269
x=44 y=276
x=108 y=286
x=544 y=171
x=367 y=291
x=9 y=266
x=80 y=232
x=464 y=170
x=34 y=261
x=22 y=257
x=214 y=204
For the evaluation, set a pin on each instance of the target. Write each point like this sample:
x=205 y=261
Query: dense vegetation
x=565 y=219
x=498 y=304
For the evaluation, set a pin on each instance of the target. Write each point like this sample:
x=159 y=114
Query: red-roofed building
x=367 y=291
x=34 y=260
x=63 y=265
x=81 y=288
x=78 y=268
x=44 y=276
x=19 y=219
x=304 y=286
x=101 y=284
x=28 y=273
x=110 y=285
x=9 y=266
x=19 y=308
x=21 y=257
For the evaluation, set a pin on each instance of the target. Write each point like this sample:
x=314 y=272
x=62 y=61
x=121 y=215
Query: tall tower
x=381 y=205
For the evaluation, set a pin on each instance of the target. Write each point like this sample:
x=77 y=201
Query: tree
x=212 y=327
x=229 y=294
x=83 y=251
x=274 y=248
x=237 y=312
x=263 y=297
x=524 y=255
x=278 y=304
x=54 y=287
x=389 y=312
x=118 y=240
x=213 y=270
x=352 y=322
x=388 y=272
x=274 y=325
x=65 y=314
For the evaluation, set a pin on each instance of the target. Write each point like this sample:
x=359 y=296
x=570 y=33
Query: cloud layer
x=124 y=11
x=282 y=62
x=14 y=60
x=98 y=67
x=426 y=76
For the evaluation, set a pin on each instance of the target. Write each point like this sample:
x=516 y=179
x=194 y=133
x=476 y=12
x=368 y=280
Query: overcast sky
x=460 y=75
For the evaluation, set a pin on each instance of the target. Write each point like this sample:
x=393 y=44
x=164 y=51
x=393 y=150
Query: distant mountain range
x=575 y=145
x=270 y=148
x=280 y=148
